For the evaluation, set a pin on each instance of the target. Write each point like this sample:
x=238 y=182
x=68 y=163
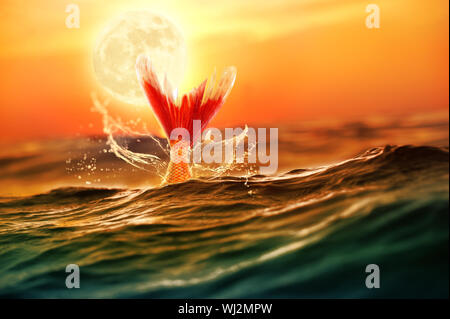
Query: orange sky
x=296 y=60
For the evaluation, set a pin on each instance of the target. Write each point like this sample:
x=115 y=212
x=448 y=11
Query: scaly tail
x=201 y=103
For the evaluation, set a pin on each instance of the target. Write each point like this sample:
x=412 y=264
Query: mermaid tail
x=178 y=170
x=201 y=103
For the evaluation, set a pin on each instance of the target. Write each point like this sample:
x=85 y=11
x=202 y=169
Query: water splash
x=244 y=169
x=112 y=127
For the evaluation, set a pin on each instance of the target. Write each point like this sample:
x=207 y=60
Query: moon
x=131 y=34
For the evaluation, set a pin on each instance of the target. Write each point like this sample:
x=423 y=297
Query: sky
x=296 y=60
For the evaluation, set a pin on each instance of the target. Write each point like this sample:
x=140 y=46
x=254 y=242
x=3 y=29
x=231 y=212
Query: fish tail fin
x=201 y=103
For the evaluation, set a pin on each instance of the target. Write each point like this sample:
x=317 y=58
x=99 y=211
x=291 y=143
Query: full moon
x=124 y=39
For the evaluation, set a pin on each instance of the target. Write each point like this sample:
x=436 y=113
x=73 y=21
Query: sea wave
x=303 y=233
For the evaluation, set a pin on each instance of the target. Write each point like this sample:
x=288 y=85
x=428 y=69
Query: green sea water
x=302 y=234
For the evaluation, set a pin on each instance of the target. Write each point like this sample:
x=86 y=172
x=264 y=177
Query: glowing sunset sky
x=296 y=60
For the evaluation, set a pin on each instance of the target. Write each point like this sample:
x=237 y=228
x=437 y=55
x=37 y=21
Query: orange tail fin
x=201 y=103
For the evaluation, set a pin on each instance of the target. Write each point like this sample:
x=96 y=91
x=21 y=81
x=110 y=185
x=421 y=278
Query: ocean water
x=303 y=233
